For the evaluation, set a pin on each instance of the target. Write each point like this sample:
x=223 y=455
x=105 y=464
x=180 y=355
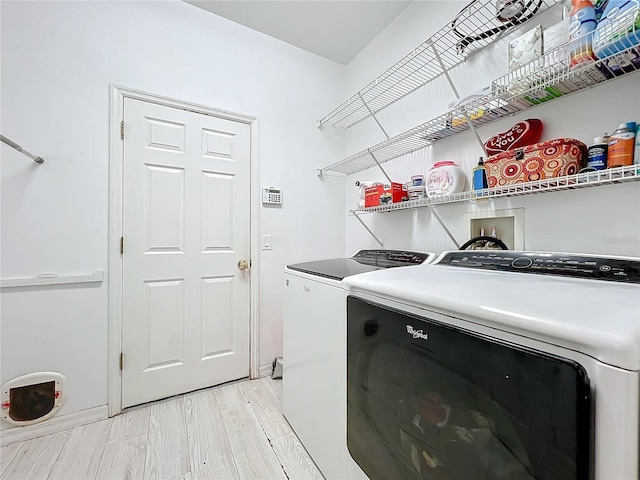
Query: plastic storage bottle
x=597 y=154
x=480 y=176
x=445 y=178
x=621 y=146
x=618 y=29
x=582 y=23
x=599 y=5
x=636 y=157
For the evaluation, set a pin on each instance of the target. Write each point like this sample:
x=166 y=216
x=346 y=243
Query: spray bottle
x=582 y=23
x=636 y=158
x=621 y=146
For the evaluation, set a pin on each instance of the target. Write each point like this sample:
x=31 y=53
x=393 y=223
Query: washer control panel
x=390 y=258
x=561 y=264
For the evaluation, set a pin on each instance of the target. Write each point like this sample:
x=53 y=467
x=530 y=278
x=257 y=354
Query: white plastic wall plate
x=34 y=379
x=509 y=223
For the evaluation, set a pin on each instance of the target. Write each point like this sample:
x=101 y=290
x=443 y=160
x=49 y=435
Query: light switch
x=266 y=242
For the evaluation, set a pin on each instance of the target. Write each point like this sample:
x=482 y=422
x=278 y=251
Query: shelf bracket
x=443 y=225
x=455 y=92
x=373 y=115
x=367 y=228
x=378 y=164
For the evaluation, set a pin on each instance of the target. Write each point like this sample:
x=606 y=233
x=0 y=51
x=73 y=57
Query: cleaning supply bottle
x=582 y=23
x=618 y=29
x=621 y=146
x=636 y=155
x=597 y=154
x=599 y=5
x=480 y=176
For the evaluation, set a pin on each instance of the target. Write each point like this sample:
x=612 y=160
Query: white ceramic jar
x=445 y=178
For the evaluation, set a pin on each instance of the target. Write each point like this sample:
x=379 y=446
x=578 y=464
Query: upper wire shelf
x=542 y=80
x=475 y=27
x=570 y=182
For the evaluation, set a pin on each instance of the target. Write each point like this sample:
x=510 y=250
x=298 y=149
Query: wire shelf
x=540 y=81
x=580 y=180
x=475 y=27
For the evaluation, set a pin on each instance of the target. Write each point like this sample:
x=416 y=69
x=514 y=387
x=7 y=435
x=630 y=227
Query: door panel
x=217 y=317
x=216 y=211
x=165 y=320
x=186 y=225
x=165 y=135
x=166 y=209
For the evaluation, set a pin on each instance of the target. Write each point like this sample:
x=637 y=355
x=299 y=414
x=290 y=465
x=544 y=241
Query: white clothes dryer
x=498 y=365
x=314 y=352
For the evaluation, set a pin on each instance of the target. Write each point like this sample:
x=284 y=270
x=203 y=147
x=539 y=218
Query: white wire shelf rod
x=17 y=147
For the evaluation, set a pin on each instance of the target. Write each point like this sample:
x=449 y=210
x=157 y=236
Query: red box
x=381 y=195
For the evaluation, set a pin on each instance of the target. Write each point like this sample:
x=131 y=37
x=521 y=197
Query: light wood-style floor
x=235 y=431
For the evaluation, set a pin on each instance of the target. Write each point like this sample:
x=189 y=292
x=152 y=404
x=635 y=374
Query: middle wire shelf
x=537 y=82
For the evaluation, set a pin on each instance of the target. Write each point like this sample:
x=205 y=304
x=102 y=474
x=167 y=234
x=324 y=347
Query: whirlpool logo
x=417 y=333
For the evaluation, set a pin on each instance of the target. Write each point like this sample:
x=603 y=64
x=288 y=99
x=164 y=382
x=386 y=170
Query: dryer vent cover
x=33 y=398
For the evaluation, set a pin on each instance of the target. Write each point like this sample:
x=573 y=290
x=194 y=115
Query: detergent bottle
x=582 y=23
x=636 y=155
x=480 y=176
x=618 y=29
x=621 y=146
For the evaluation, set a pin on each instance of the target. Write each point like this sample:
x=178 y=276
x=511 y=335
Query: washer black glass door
x=430 y=401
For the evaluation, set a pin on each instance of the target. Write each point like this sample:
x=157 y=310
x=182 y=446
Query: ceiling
x=337 y=30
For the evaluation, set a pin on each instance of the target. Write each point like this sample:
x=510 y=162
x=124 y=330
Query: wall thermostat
x=271 y=196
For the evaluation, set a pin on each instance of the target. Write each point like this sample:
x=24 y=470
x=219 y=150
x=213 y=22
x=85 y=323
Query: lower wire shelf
x=580 y=180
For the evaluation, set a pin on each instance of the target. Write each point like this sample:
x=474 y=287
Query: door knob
x=243 y=264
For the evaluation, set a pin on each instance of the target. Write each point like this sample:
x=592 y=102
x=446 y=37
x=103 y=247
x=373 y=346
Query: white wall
x=604 y=220
x=58 y=60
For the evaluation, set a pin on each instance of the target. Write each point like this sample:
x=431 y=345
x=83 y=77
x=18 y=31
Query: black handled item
x=484 y=242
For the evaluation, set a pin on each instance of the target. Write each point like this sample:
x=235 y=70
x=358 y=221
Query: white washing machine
x=314 y=352
x=497 y=365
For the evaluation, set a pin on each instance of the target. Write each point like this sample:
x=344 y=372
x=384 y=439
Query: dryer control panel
x=593 y=267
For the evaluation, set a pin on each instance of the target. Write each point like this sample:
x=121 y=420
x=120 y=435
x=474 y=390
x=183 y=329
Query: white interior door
x=186 y=221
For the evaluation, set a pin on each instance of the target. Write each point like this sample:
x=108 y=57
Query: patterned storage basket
x=555 y=158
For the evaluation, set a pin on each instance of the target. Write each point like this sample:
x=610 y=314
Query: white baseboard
x=265 y=370
x=54 y=425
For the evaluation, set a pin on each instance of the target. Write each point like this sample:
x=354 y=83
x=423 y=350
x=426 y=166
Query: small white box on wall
x=271 y=196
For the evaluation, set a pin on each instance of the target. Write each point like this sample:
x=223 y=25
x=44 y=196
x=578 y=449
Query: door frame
x=115 y=279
